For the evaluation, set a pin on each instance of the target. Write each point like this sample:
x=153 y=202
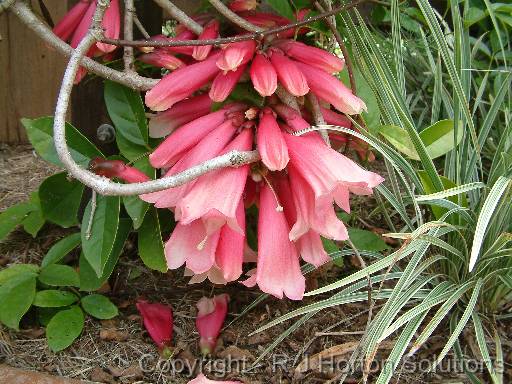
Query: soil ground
x=119 y=350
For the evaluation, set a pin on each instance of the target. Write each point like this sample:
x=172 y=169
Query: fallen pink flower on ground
x=158 y=321
x=209 y=321
x=202 y=379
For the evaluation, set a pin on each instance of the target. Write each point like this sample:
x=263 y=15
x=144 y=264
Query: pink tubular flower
x=111 y=25
x=330 y=174
x=184 y=138
x=319 y=217
x=309 y=246
x=202 y=379
x=68 y=24
x=210 y=31
x=230 y=249
x=265 y=20
x=116 y=168
x=242 y=5
x=316 y=57
x=289 y=74
x=207 y=148
x=210 y=318
x=160 y=58
x=82 y=27
x=330 y=89
x=189 y=245
x=263 y=75
x=335 y=118
x=224 y=83
x=181 y=83
x=157 y=321
x=235 y=55
x=214 y=197
x=180 y=113
x=271 y=144
x=278 y=271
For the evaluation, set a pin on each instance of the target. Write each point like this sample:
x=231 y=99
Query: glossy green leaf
x=439 y=137
x=282 y=7
x=151 y=247
x=366 y=240
x=64 y=328
x=61 y=248
x=59 y=275
x=126 y=109
x=98 y=246
x=13 y=216
x=53 y=298
x=89 y=281
x=17 y=270
x=99 y=306
x=399 y=138
x=60 y=199
x=135 y=207
x=34 y=220
x=16 y=297
x=40 y=134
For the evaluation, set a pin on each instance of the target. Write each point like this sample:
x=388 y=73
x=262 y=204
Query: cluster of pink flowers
x=296 y=184
x=75 y=24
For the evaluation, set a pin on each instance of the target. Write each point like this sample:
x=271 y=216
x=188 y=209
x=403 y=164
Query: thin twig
x=5 y=4
x=233 y=17
x=318 y=117
x=233 y=39
x=346 y=56
x=91 y=216
x=140 y=27
x=287 y=98
x=129 y=11
x=21 y=10
x=180 y=16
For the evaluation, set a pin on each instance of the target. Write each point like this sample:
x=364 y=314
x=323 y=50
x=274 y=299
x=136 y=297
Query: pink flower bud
x=224 y=83
x=210 y=31
x=158 y=322
x=68 y=24
x=289 y=75
x=210 y=318
x=116 y=168
x=263 y=75
x=235 y=55
x=265 y=20
x=242 y=5
x=330 y=89
x=271 y=144
x=180 y=84
x=180 y=113
x=202 y=379
x=162 y=59
x=315 y=57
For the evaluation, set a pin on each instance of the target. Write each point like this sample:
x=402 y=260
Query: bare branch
x=318 y=117
x=346 y=56
x=180 y=16
x=5 y=4
x=287 y=98
x=129 y=12
x=27 y=17
x=233 y=17
x=225 y=40
x=140 y=27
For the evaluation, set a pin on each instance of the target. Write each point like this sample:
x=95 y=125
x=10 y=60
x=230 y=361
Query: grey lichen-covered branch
x=233 y=17
x=180 y=16
x=27 y=17
x=103 y=185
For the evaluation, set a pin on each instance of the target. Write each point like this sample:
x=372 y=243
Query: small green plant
x=51 y=294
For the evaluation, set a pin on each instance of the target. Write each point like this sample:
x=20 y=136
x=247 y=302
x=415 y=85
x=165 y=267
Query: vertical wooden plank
x=30 y=74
